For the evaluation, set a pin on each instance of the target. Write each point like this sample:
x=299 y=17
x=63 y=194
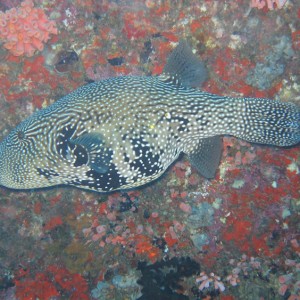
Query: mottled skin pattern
x=125 y=132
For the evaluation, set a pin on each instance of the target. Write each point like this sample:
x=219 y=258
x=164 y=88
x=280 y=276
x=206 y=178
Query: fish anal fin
x=206 y=157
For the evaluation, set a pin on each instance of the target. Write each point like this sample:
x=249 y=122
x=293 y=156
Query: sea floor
x=182 y=236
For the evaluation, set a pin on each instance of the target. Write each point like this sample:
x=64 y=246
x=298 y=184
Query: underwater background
x=182 y=236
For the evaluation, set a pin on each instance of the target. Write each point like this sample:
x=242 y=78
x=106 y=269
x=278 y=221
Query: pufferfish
x=124 y=132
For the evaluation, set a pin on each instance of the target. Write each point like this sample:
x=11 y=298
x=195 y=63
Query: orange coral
x=25 y=29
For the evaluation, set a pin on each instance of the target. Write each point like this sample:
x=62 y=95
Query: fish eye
x=20 y=135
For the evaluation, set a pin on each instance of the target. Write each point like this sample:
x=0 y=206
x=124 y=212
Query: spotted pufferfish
x=124 y=132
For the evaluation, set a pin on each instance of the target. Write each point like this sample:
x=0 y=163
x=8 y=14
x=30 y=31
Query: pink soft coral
x=25 y=29
x=270 y=3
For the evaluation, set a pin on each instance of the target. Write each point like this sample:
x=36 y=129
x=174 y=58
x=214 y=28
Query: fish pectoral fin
x=99 y=155
x=184 y=68
x=206 y=157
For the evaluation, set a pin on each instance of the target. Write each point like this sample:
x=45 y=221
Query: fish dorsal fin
x=99 y=155
x=207 y=155
x=184 y=68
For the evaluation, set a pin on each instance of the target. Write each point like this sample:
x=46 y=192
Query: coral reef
x=242 y=227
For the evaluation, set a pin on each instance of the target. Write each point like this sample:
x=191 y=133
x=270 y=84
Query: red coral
x=230 y=66
x=33 y=75
x=38 y=288
x=54 y=282
x=144 y=246
x=54 y=222
x=137 y=26
x=170 y=241
x=73 y=283
x=296 y=39
x=237 y=230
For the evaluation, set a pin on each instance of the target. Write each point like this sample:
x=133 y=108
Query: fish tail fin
x=266 y=121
